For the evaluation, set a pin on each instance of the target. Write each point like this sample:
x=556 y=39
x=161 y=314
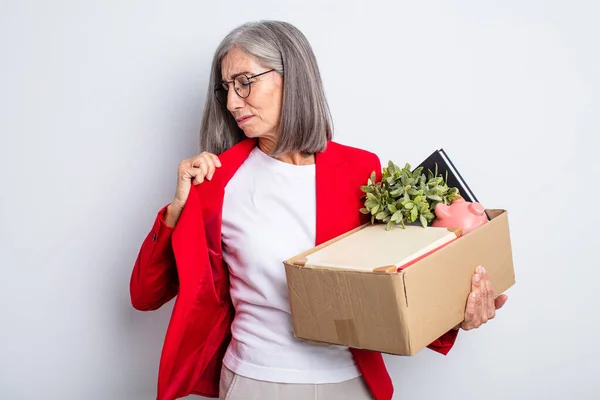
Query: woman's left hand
x=482 y=302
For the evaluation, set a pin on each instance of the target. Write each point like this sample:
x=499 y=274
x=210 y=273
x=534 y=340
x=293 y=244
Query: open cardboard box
x=397 y=312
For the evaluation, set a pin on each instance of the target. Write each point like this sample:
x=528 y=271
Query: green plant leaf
x=371 y=203
x=365 y=211
x=390 y=225
x=391 y=168
x=414 y=213
x=440 y=190
x=417 y=172
x=434 y=197
x=375 y=209
x=423 y=221
x=367 y=189
x=381 y=215
x=392 y=208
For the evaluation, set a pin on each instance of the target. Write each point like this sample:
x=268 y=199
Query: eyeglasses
x=241 y=86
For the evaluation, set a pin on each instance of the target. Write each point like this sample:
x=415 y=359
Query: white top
x=269 y=215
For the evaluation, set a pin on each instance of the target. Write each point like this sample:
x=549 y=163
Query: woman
x=220 y=243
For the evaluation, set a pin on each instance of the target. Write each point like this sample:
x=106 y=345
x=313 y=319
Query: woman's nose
x=233 y=100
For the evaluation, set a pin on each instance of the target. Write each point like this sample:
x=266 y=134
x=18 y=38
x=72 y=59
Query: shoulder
x=355 y=156
x=238 y=152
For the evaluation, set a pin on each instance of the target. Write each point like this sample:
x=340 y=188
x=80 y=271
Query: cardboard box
x=397 y=312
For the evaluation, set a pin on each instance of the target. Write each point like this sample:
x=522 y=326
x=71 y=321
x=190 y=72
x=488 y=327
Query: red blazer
x=187 y=262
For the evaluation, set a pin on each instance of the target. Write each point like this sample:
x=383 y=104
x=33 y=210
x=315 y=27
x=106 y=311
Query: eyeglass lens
x=241 y=86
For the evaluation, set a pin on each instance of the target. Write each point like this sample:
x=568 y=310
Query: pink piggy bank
x=460 y=214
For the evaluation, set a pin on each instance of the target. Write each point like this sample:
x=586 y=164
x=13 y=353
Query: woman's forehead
x=236 y=62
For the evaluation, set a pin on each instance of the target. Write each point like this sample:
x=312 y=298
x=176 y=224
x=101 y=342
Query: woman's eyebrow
x=236 y=74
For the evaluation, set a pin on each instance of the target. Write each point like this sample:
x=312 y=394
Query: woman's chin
x=251 y=134
x=257 y=134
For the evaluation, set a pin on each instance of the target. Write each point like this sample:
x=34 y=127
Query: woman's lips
x=243 y=120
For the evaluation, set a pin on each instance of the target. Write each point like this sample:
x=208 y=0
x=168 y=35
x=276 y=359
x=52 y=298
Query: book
x=373 y=248
x=444 y=163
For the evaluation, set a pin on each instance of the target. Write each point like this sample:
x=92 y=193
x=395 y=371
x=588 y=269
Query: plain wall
x=99 y=101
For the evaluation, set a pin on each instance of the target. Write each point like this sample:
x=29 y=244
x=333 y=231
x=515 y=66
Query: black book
x=444 y=164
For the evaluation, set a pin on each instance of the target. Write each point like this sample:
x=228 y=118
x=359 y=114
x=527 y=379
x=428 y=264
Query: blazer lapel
x=211 y=193
x=336 y=207
x=197 y=235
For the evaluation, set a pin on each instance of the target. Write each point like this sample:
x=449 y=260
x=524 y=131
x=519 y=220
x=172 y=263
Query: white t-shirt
x=269 y=215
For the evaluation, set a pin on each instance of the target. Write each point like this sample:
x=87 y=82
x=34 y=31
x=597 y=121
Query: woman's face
x=258 y=114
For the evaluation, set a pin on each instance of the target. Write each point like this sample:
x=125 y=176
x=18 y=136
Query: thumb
x=500 y=301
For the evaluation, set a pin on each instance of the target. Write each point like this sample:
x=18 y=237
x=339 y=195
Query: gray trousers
x=237 y=387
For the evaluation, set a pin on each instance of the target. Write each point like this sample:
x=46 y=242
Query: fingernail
x=474 y=294
x=209 y=177
x=483 y=270
x=479 y=269
x=477 y=278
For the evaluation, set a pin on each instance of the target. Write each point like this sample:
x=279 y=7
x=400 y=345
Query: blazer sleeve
x=154 y=279
x=444 y=343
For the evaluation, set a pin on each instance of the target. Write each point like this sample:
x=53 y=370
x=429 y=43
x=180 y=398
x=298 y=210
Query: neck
x=267 y=145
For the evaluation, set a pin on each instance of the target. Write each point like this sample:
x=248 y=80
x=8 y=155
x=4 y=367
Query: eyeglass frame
x=220 y=85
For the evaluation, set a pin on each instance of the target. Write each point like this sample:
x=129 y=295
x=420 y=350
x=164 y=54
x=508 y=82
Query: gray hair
x=305 y=124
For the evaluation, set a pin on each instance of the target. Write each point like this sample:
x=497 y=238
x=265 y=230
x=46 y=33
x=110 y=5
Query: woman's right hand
x=191 y=171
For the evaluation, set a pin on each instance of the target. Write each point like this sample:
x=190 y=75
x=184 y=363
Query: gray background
x=99 y=101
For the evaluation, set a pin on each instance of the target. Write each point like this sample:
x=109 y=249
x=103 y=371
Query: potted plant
x=406 y=197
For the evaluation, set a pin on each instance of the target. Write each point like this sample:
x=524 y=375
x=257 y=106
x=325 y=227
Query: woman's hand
x=191 y=171
x=482 y=302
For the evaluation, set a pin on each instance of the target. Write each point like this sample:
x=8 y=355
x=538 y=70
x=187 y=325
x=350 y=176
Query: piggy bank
x=460 y=214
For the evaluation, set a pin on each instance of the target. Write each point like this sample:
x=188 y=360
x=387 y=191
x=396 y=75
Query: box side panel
x=437 y=286
x=356 y=309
